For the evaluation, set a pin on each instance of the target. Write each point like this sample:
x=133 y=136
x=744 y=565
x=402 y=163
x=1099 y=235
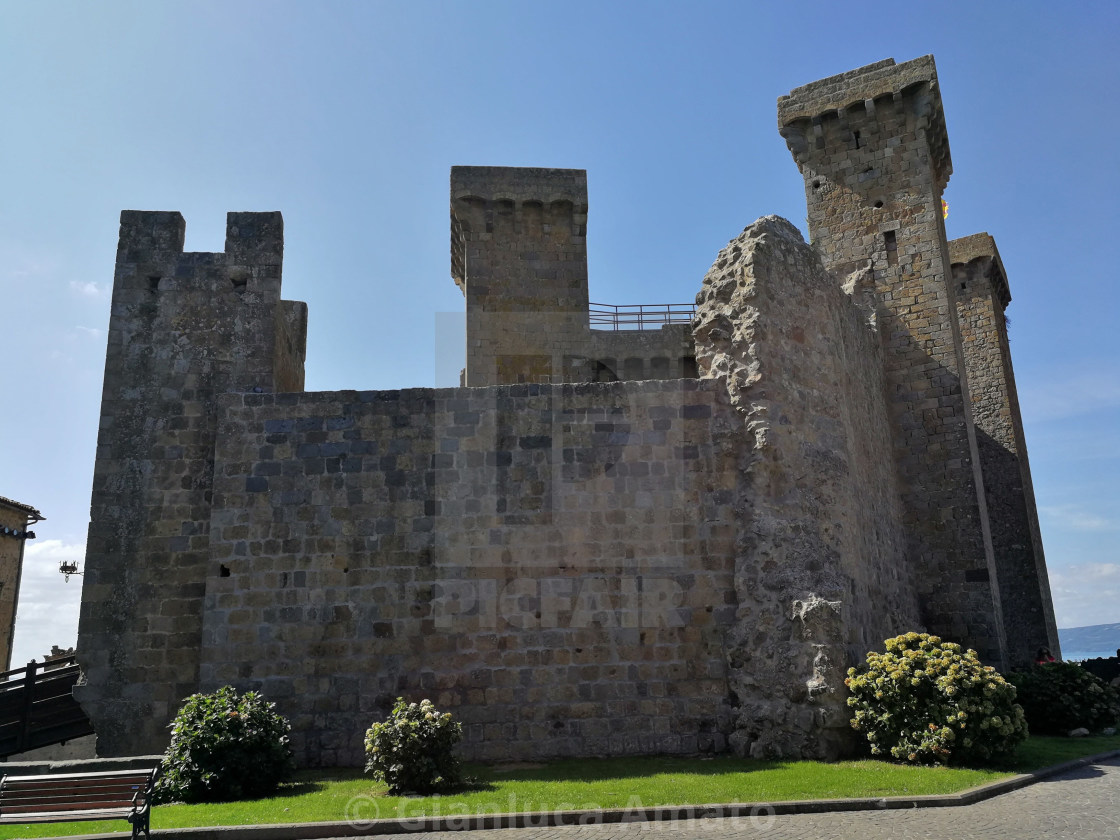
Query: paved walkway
x=1082 y=804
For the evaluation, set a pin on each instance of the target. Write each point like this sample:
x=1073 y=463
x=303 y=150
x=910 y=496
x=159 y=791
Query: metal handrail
x=639 y=316
x=37 y=706
x=17 y=676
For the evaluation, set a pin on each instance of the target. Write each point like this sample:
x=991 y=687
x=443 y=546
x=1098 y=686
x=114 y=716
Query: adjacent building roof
x=32 y=514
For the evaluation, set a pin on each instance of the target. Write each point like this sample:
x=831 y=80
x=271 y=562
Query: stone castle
x=606 y=541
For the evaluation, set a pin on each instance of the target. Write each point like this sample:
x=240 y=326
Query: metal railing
x=639 y=316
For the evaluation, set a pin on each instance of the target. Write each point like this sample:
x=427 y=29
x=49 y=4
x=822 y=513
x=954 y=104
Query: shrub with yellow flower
x=414 y=750
x=926 y=701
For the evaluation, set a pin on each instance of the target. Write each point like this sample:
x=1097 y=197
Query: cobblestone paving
x=1083 y=804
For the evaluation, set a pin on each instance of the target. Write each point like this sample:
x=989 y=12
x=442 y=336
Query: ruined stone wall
x=552 y=564
x=820 y=572
x=982 y=296
x=872 y=147
x=184 y=328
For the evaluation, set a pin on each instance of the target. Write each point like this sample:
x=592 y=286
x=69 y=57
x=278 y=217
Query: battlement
x=208 y=306
x=530 y=203
x=150 y=256
x=869 y=82
x=520 y=184
x=903 y=89
x=146 y=232
x=981 y=246
x=257 y=238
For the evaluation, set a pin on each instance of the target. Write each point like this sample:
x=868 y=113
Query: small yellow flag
x=944 y=209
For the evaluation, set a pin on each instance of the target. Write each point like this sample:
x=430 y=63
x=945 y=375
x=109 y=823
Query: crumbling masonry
x=605 y=542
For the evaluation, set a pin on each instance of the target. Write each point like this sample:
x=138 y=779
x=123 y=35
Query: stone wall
x=666 y=353
x=73 y=750
x=589 y=569
x=820 y=571
x=982 y=296
x=550 y=563
x=582 y=569
x=872 y=147
x=184 y=327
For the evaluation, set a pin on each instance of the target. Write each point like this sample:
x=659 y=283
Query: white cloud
x=89 y=288
x=1073 y=518
x=48 y=606
x=1086 y=594
x=91 y=332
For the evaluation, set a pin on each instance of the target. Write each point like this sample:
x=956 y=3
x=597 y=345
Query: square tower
x=519 y=253
x=184 y=329
x=872 y=147
x=982 y=292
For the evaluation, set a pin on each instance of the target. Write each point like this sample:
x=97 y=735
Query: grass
x=317 y=796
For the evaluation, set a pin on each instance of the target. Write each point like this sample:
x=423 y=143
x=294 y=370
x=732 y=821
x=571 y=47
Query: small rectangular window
x=891 y=244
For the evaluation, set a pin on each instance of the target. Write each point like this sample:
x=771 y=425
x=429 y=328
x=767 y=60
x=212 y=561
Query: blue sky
x=347 y=116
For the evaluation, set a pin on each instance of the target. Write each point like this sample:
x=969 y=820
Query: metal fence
x=639 y=316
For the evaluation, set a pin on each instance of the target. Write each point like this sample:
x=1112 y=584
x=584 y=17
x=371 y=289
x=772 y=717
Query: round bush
x=414 y=750
x=925 y=701
x=1060 y=696
x=225 y=747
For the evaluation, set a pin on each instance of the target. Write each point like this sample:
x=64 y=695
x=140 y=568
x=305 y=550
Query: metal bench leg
x=141 y=822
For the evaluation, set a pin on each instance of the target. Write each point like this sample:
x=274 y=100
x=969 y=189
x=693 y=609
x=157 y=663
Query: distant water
x=1098 y=640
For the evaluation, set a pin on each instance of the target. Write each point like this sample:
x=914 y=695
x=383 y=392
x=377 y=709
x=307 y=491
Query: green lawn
x=600 y=783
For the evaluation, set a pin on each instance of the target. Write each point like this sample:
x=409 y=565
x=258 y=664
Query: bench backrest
x=74 y=791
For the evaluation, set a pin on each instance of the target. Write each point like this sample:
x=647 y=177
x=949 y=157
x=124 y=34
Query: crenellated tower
x=519 y=253
x=873 y=149
x=982 y=293
x=184 y=328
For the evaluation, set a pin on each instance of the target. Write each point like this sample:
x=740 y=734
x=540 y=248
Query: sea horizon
x=1095 y=641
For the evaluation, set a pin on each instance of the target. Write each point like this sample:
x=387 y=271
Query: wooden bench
x=66 y=797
